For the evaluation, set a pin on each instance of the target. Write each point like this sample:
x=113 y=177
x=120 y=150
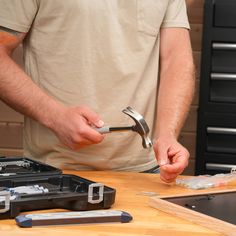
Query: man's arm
x=72 y=125
x=174 y=98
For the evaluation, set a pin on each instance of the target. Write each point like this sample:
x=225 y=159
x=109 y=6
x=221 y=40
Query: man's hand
x=172 y=158
x=75 y=127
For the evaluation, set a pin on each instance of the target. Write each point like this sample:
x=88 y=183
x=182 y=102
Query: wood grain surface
x=133 y=193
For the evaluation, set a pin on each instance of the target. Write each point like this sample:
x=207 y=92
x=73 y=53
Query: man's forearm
x=175 y=95
x=18 y=91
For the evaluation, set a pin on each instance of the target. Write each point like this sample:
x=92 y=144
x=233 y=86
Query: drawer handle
x=219 y=130
x=214 y=166
x=223 y=76
x=224 y=46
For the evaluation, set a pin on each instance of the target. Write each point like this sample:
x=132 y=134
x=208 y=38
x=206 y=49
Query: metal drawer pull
x=215 y=166
x=224 y=46
x=218 y=130
x=222 y=76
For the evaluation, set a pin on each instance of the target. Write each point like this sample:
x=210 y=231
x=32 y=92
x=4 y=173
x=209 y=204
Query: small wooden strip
x=198 y=193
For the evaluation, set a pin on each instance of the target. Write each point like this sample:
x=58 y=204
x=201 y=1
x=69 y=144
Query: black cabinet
x=216 y=125
x=224 y=13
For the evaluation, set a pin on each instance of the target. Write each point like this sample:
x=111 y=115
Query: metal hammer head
x=140 y=126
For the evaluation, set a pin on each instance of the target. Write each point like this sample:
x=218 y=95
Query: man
x=87 y=60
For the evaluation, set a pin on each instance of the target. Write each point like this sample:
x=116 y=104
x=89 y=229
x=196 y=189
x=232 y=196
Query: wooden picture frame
x=161 y=203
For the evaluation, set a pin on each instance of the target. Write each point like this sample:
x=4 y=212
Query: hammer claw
x=140 y=127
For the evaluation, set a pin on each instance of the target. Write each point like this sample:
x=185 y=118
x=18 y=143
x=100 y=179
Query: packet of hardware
x=207 y=181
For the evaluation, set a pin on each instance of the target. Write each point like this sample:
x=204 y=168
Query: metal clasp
x=91 y=193
x=5 y=197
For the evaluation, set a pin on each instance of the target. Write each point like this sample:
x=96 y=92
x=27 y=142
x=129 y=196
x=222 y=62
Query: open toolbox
x=27 y=185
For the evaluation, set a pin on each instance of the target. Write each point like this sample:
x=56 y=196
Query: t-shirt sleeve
x=18 y=14
x=176 y=15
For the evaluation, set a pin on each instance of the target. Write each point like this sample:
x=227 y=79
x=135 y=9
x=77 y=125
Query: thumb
x=161 y=154
x=92 y=117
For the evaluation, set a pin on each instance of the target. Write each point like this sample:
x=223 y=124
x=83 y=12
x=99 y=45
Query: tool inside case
x=27 y=185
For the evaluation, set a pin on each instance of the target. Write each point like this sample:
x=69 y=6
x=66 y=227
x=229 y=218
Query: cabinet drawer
x=223 y=57
x=221 y=140
x=215 y=168
x=223 y=87
x=218 y=163
x=221 y=167
x=225 y=13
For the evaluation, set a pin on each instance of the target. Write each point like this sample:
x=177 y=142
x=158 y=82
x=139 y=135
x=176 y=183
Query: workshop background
x=11 y=122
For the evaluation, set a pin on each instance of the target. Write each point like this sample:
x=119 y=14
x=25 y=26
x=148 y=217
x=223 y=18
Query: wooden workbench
x=133 y=193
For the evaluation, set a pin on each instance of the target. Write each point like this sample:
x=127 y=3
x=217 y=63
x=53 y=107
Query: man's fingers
x=86 y=135
x=169 y=172
x=87 y=130
x=174 y=168
x=167 y=177
x=92 y=117
x=161 y=154
x=178 y=159
x=91 y=134
x=172 y=158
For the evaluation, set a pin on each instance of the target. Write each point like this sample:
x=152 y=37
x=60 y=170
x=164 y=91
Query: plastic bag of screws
x=207 y=181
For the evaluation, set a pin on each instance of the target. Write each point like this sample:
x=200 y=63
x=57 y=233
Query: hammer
x=140 y=127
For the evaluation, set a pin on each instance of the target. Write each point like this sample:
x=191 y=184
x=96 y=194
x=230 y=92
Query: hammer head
x=140 y=126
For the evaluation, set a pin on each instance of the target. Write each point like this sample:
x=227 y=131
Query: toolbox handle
x=5 y=194
x=91 y=193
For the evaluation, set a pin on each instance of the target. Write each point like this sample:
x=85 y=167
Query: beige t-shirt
x=99 y=53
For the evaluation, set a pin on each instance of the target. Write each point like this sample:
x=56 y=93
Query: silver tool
x=17 y=192
x=140 y=127
x=16 y=163
x=75 y=217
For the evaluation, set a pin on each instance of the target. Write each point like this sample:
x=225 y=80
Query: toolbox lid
x=13 y=167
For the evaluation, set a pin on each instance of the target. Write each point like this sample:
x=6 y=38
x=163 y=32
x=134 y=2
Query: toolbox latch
x=91 y=192
x=5 y=198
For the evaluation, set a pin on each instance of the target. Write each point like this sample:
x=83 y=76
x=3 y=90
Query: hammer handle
x=108 y=129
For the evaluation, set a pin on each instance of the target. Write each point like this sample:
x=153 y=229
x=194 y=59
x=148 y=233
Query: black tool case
x=64 y=191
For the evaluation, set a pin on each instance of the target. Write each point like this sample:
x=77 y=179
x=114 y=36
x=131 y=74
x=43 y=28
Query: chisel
x=74 y=217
